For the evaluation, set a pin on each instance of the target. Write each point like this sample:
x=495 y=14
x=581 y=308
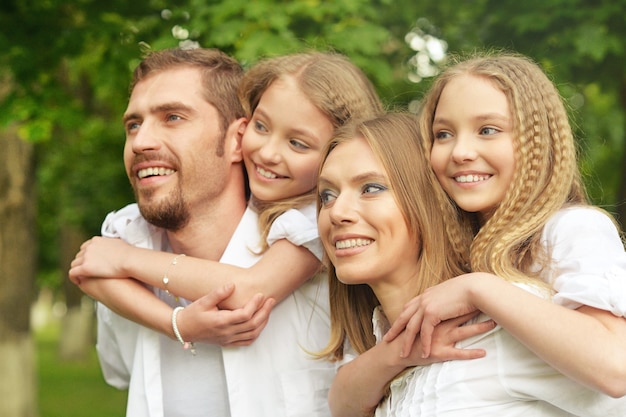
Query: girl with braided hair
x=383 y=247
x=503 y=150
x=547 y=267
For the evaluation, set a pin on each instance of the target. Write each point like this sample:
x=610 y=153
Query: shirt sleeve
x=116 y=336
x=115 y=345
x=115 y=222
x=298 y=226
x=588 y=260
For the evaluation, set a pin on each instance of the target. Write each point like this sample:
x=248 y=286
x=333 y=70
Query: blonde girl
x=293 y=104
x=384 y=236
x=311 y=94
x=502 y=148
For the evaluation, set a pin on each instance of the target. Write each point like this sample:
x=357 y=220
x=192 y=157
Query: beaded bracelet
x=186 y=345
x=166 y=279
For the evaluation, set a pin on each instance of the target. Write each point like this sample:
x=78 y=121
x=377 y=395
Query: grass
x=73 y=389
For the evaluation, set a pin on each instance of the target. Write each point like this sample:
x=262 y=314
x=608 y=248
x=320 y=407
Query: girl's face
x=360 y=223
x=473 y=151
x=283 y=141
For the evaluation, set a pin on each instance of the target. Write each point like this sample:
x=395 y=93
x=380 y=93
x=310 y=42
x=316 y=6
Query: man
x=183 y=158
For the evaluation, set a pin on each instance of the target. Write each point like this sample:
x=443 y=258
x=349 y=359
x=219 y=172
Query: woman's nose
x=343 y=210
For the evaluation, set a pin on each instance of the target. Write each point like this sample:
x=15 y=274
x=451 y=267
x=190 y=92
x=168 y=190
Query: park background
x=64 y=73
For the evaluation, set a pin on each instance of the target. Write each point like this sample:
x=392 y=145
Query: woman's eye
x=442 y=134
x=373 y=188
x=326 y=196
x=298 y=144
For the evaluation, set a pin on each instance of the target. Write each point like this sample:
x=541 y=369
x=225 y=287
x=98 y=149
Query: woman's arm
x=587 y=344
x=360 y=384
x=279 y=272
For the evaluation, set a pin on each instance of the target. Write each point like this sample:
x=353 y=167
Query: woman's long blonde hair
x=394 y=139
x=337 y=87
x=546 y=176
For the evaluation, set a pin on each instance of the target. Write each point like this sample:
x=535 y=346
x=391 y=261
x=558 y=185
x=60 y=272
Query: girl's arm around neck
x=360 y=384
x=587 y=344
x=279 y=272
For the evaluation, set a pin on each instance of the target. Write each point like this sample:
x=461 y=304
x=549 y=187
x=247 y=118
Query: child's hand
x=444 y=338
x=99 y=257
x=423 y=313
x=203 y=321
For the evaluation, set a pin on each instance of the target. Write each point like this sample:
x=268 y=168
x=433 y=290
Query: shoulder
x=115 y=222
x=580 y=220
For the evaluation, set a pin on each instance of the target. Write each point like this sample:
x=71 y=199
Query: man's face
x=171 y=153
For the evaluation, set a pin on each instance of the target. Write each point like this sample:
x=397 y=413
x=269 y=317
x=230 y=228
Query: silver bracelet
x=166 y=279
x=186 y=345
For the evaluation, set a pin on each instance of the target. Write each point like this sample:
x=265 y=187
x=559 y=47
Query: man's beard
x=170 y=214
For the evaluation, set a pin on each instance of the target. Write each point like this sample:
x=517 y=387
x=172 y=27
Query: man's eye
x=130 y=126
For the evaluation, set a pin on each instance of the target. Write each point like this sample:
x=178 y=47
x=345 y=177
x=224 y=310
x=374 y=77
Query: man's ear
x=235 y=136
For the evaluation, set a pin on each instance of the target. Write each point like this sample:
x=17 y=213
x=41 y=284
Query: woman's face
x=360 y=223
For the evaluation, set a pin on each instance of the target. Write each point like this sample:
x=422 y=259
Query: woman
x=385 y=240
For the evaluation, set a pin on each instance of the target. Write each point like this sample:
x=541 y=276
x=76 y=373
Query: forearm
x=281 y=270
x=131 y=300
x=360 y=384
x=587 y=345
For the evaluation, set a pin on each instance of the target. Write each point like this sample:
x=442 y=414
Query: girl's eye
x=259 y=126
x=326 y=197
x=488 y=131
x=373 y=188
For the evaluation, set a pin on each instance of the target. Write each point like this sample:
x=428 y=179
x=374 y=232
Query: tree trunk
x=17 y=272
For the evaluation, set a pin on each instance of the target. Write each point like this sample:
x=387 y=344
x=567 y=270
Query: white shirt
x=272 y=377
x=588 y=267
x=588 y=260
x=509 y=381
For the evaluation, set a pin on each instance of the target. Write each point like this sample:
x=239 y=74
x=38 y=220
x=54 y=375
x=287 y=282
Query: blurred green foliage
x=65 y=68
x=72 y=388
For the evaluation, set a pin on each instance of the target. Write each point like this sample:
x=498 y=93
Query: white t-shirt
x=509 y=381
x=274 y=376
x=588 y=268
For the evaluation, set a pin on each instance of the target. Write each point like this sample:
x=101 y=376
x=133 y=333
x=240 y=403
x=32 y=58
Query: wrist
x=480 y=288
x=176 y=330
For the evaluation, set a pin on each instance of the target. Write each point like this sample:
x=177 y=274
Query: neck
x=393 y=294
x=210 y=228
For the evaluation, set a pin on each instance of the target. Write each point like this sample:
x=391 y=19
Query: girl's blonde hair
x=546 y=176
x=394 y=139
x=337 y=87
